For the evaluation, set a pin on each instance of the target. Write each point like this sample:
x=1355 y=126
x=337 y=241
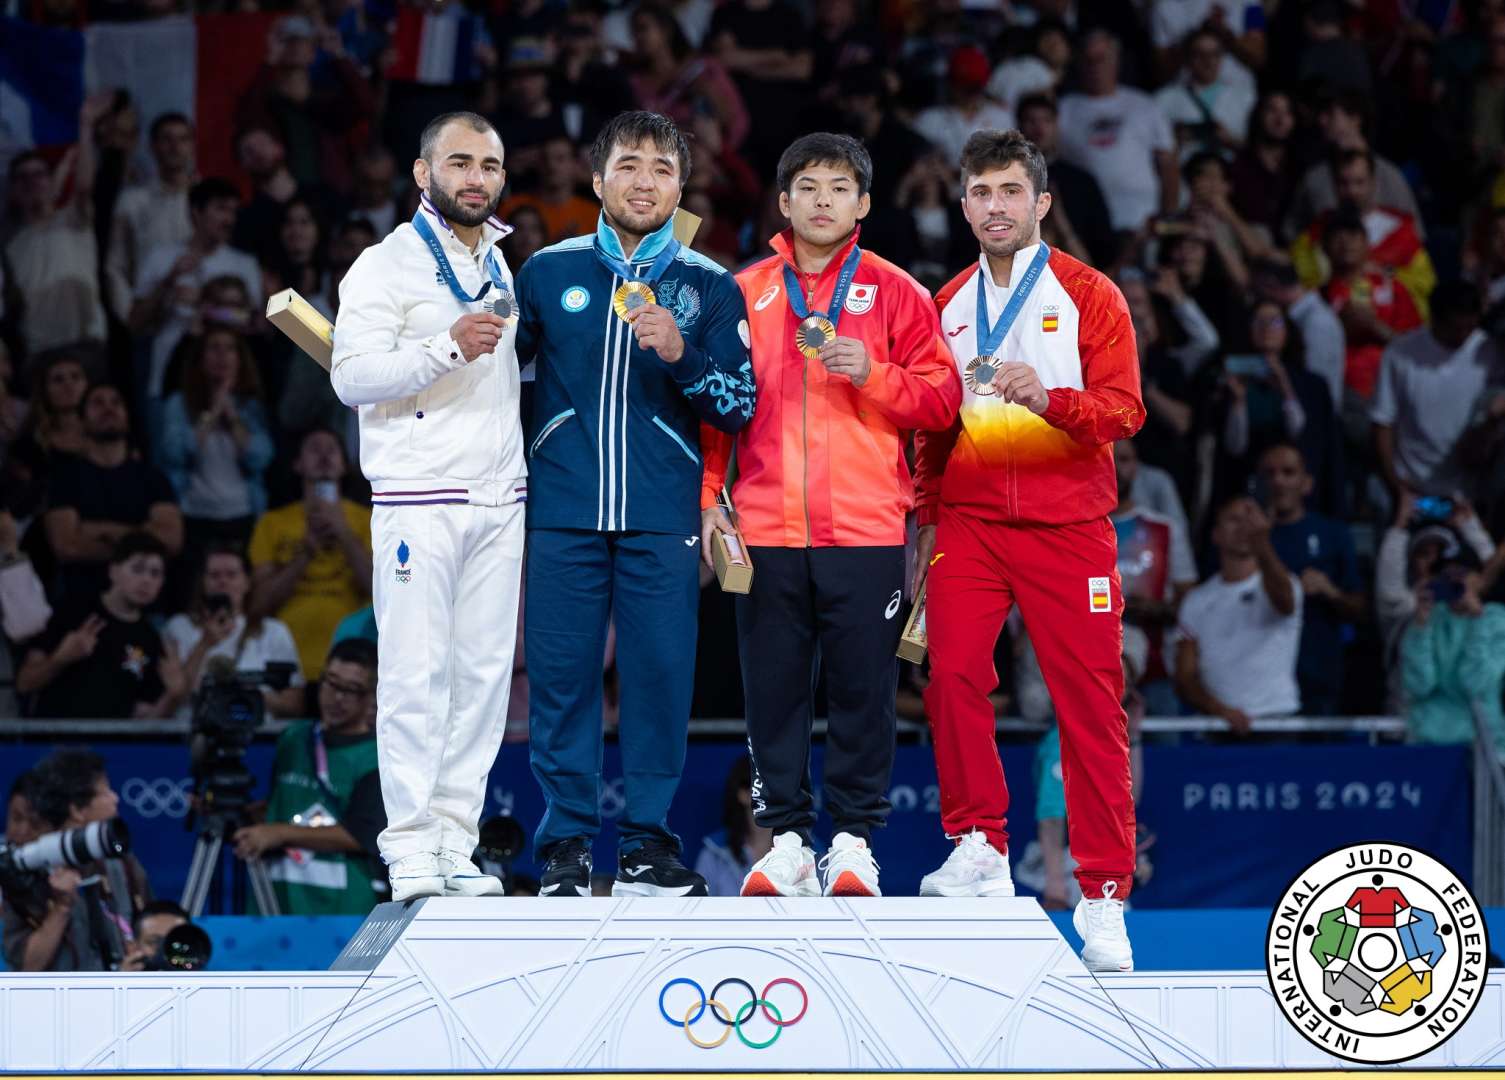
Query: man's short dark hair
x=993 y=149
x=158 y=907
x=1201 y=160
x=163 y=120
x=24 y=785
x=1346 y=217
x=211 y=189
x=1282 y=444
x=1343 y=158
x=435 y=127
x=320 y=429
x=1037 y=101
x=137 y=543
x=634 y=129
x=65 y=780
x=359 y=651
x=826 y=148
x=1454 y=297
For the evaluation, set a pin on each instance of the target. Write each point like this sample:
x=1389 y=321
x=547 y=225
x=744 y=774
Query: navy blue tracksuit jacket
x=614 y=517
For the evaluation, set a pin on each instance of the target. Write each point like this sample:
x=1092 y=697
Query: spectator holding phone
x=214 y=442
x=1452 y=656
x=216 y=624
x=1426 y=533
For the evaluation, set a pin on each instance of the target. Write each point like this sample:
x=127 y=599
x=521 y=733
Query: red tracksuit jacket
x=999 y=461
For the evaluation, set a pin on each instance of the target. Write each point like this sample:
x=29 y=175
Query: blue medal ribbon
x=838 y=296
x=996 y=332
x=627 y=272
x=425 y=230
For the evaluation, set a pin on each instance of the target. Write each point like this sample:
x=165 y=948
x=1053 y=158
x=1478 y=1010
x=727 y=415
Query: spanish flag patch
x=1050 y=321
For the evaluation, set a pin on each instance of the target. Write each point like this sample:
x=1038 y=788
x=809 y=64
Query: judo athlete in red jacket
x=1013 y=506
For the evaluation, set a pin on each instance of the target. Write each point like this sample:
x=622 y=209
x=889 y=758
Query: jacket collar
x=783 y=244
x=492 y=230
x=1021 y=262
x=648 y=248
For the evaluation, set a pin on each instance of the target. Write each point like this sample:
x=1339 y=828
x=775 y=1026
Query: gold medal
x=813 y=334
x=979 y=376
x=631 y=296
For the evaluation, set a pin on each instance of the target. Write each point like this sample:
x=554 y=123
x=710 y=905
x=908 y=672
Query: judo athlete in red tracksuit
x=1018 y=492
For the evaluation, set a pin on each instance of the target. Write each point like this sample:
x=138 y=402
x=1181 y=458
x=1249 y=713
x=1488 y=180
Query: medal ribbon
x=625 y=270
x=425 y=230
x=996 y=332
x=838 y=296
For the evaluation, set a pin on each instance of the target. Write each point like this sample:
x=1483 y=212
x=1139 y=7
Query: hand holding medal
x=477 y=335
x=846 y=356
x=654 y=327
x=1019 y=383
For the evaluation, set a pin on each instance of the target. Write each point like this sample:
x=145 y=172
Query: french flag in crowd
x=436 y=48
x=46 y=72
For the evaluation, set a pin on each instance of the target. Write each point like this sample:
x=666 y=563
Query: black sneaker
x=568 y=872
x=654 y=869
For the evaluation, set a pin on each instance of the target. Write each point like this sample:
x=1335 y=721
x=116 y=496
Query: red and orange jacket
x=1001 y=462
x=821 y=464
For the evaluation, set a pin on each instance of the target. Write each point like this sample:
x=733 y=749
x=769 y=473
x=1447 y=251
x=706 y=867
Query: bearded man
x=424 y=348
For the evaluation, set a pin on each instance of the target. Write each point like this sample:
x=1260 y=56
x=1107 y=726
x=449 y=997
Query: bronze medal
x=979 y=376
x=631 y=296
x=814 y=333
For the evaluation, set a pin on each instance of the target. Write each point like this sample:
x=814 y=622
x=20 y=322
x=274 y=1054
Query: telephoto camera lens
x=74 y=847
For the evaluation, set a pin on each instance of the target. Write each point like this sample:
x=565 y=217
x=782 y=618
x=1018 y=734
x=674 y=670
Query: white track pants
x=448 y=624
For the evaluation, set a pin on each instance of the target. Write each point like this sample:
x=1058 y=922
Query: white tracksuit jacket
x=429 y=421
x=441 y=443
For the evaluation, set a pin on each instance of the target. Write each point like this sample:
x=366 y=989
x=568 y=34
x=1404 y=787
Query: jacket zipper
x=805 y=419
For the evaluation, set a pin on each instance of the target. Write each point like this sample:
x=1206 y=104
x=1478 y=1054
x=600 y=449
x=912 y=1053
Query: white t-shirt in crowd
x=948 y=128
x=1247 y=649
x=1229 y=106
x=273 y=645
x=1427 y=393
x=1115 y=138
x=1019 y=76
x=223 y=261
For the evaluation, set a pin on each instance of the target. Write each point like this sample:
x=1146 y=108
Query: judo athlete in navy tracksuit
x=625 y=375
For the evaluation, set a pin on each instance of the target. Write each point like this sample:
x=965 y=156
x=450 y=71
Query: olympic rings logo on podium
x=733 y=1021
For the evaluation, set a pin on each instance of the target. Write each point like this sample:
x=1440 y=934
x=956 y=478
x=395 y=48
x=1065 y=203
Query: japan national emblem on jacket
x=682 y=300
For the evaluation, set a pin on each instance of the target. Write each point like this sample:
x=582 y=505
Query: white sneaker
x=416 y=875
x=787 y=870
x=1105 y=939
x=974 y=868
x=850 y=868
x=463 y=878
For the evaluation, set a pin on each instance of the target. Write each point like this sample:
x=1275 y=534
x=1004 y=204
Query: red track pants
x=978 y=572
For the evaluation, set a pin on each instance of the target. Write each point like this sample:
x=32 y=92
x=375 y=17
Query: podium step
x=662 y=985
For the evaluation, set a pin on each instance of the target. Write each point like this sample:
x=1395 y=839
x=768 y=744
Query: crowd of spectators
x=1303 y=202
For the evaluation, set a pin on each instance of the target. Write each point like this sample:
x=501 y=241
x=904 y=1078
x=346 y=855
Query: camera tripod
x=207 y=850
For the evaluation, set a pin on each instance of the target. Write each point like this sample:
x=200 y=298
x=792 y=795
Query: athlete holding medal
x=423 y=346
x=1013 y=505
x=638 y=340
x=849 y=359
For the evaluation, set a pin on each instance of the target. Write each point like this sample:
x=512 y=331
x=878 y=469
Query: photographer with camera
x=165 y=939
x=99 y=656
x=216 y=625
x=326 y=809
x=76 y=914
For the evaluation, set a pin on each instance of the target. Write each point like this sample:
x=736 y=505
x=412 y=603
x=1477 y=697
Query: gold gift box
x=913 y=642
x=733 y=564
x=303 y=325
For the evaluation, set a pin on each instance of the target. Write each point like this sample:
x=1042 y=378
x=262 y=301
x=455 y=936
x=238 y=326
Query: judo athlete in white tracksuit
x=441 y=444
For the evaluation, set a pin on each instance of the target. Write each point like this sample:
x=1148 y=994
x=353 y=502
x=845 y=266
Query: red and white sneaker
x=850 y=868
x=787 y=870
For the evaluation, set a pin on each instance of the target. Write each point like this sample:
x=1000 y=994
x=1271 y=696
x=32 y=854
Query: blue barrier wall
x=1234 y=823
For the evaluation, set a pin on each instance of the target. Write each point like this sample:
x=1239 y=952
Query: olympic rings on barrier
x=161 y=797
x=732 y=1022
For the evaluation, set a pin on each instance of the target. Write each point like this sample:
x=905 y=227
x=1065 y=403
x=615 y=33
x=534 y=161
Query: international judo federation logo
x=1377 y=953
x=404 y=571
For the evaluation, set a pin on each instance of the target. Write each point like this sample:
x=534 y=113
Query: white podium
x=596 y=984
